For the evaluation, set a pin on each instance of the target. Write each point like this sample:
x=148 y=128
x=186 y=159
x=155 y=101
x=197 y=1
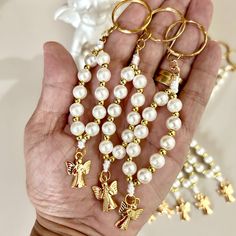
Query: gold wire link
x=141 y=43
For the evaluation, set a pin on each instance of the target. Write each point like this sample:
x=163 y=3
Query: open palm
x=48 y=142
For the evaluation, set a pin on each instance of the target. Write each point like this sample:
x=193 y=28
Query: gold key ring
x=137 y=30
x=181 y=19
x=180 y=54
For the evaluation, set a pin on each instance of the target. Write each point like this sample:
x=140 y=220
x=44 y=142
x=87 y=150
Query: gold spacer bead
x=95 y=52
x=102 y=84
x=151 y=169
x=163 y=152
x=137 y=72
x=205 y=155
x=133 y=66
x=168 y=91
x=129 y=178
x=171 y=133
x=137 y=182
x=112 y=159
x=101 y=103
x=86 y=137
x=129 y=159
x=117 y=101
x=176 y=114
x=79 y=137
x=131 y=127
x=77 y=100
x=110 y=118
x=154 y=105
x=124 y=144
x=106 y=157
x=75 y=119
x=140 y=90
x=218 y=174
x=123 y=81
x=105 y=137
x=135 y=109
x=87 y=67
x=97 y=121
x=137 y=140
x=172 y=96
x=144 y=122
x=81 y=83
x=105 y=65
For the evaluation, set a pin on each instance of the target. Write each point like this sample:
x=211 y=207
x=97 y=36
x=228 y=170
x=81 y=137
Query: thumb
x=56 y=96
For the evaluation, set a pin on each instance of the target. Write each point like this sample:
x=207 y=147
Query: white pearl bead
x=137 y=99
x=108 y=128
x=208 y=159
x=174 y=105
x=120 y=91
x=103 y=58
x=80 y=92
x=200 y=151
x=92 y=129
x=133 y=149
x=119 y=152
x=90 y=60
x=84 y=75
x=149 y=114
x=188 y=169
x=216 y=169
x=106 y=147
x=135 y=60
x=140 y=81
x=199 y=168
x=99 y=112
x=144 y=176
x=99 y=46
x=180 y=175
x=174 y=123
x=141 y=131
x=114 y=110
x=77 y=128
x=192 y=160
x=193 y=178
x=161 y=98
x=101 y=93
x=133 y=118
x=167 y=142
x=129 y=168
x=176 y=184
x=77 y=109
x=157 y=161
x=103 y=75
x=127 y=136
x=186 y=183
x=127 y=73
x=209 y=174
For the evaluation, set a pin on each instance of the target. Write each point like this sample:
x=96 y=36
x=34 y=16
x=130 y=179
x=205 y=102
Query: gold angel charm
x=183 y=208
x=203 y=203
x=227 y=191
x=106 y=192
x=164 y=209
x=128 y=211
x=78 y=170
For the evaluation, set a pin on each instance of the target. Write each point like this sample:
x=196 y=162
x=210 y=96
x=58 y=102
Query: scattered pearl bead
x=103 y=58
x=174 y=123
x=101 y=93
x=99 y=112
x=120 y=91
x=92 y=129
x=174 y=105
x=80 y=92
x=144 y=176
x=90 y=60
x=161 y=98
x=103 y=75
x=77 y=109
x=140 y=81
x=127 y=73
x=141 y=131
x=149 y=114
x=77 y=128
x=108 y=128
x=127 y=136
x=157 y=161
x=133 y=118
x=84 y=75
x=137 y=99
x=119 y=152
x=106 y=147
x=167 y=142
x=133 y=149
x=129 y=168
x=114 y=110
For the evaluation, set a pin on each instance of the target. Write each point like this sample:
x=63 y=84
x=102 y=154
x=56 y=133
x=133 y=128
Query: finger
x=201 y=12
x=56 y=96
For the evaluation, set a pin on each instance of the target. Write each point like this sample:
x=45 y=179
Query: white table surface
x=25 y=25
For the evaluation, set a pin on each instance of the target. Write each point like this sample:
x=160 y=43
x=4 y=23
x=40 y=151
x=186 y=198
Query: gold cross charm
x=164 y=209
x=183 y=208
x=227 y=191
x=203 y=203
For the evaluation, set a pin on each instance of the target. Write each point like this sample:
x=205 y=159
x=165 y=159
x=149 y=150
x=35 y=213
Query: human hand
x=48 y=142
